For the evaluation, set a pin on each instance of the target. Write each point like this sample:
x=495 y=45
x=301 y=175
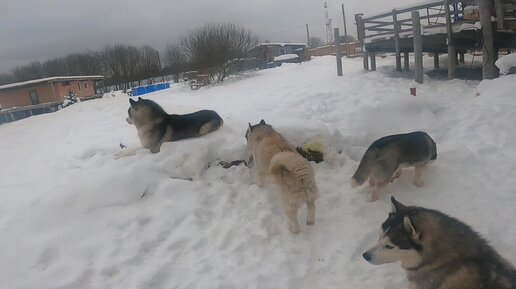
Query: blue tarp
x=149 y=88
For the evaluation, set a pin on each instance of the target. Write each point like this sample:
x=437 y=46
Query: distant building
x=47 y=90
x=23 y=99
x=268 y=52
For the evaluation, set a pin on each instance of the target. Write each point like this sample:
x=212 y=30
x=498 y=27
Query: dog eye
x=388 y=247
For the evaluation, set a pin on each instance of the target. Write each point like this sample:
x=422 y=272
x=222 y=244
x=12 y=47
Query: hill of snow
x=73 y=217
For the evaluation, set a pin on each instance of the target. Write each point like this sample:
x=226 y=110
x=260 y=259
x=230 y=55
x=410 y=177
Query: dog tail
x=292 y=169
x=362 y=173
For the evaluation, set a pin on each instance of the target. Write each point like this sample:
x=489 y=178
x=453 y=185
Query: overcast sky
x=33 y=30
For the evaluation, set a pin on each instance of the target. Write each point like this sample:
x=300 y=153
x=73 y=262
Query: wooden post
x=418 y=46
x=406 y=61
x=337 y=51
x=488 y=51
x=396 y=39
x=361 y=38
x=345 y=32
x=373 y=61
x=436 y=60
x=451 y=47
x=461 y=57
x=500 y=14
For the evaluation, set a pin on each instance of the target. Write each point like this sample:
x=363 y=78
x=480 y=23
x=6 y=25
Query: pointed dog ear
x=409 y=228
x=132 y=102
x=262 y=121
x=139 y=98
x=397 y=206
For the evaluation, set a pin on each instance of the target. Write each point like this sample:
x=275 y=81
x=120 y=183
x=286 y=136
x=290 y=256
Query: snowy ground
x=73 y=217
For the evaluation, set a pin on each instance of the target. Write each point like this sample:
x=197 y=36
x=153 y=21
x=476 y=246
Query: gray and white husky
x=386 y=157
x=439 y=252
x=155 y=126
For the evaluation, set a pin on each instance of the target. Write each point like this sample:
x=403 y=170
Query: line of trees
x=211 y=49
x=120 y=64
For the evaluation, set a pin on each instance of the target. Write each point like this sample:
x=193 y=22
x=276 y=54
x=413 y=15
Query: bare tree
x=314 y=42
x=175 y=60
x=214 y=47
x=33 y=70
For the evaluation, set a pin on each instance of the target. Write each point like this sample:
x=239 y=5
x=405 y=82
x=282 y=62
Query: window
x=282 y=51
x=79 y=85
x=33 y=95
x=85 y=85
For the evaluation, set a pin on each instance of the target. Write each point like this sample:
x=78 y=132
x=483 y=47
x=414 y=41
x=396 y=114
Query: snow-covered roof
x=285 y=57
x=280 y=44
x=54 y=78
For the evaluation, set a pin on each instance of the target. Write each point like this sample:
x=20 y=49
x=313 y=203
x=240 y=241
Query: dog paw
x=310 y=222
x=294 y=230
x=419 y=183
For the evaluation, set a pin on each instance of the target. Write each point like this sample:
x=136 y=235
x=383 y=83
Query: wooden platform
x=442 y=27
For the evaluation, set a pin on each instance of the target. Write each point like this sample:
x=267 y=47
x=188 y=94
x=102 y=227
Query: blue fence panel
x=150 y=88
x=139 y=91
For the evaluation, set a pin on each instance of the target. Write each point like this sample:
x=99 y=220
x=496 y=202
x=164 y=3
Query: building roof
x=49 y=79
x=279 y=44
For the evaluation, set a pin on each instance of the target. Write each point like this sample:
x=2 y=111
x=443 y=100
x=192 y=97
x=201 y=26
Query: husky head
x=142 y=111
x=400 y=239
x=252 y=127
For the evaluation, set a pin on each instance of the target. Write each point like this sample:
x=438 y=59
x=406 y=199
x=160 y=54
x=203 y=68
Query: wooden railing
x=399 y=21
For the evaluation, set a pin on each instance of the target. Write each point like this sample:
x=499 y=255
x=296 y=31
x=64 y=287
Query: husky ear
x=139 y=98
x=262 y=121
x=397 y=206
x=409 y=228
x=132 y=102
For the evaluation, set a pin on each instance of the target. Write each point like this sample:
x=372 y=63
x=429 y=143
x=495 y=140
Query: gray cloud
x=41 y=29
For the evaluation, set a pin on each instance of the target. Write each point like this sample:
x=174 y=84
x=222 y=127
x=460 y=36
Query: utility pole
x=345 y=32
x=307 y=36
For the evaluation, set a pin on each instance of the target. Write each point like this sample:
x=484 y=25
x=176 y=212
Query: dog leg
x=375 y=195
x=310 y=216
x=290 y=208
x=291 y=212
x=417 y=176
x=372 y=182
x=397 y=174
x=260 y=178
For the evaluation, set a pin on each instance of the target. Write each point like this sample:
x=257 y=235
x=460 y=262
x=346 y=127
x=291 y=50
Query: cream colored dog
x=275 y=157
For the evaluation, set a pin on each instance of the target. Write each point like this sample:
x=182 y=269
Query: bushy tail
x=294 y=171
x=362 y=173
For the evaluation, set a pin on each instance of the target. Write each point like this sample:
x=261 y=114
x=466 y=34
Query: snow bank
x=505 y=63
x=73 y=217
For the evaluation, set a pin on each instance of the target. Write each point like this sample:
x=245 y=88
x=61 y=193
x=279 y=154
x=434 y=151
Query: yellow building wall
x=17 y=97
x=20 y=96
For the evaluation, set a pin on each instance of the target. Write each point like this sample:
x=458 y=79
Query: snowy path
x=73 y=217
